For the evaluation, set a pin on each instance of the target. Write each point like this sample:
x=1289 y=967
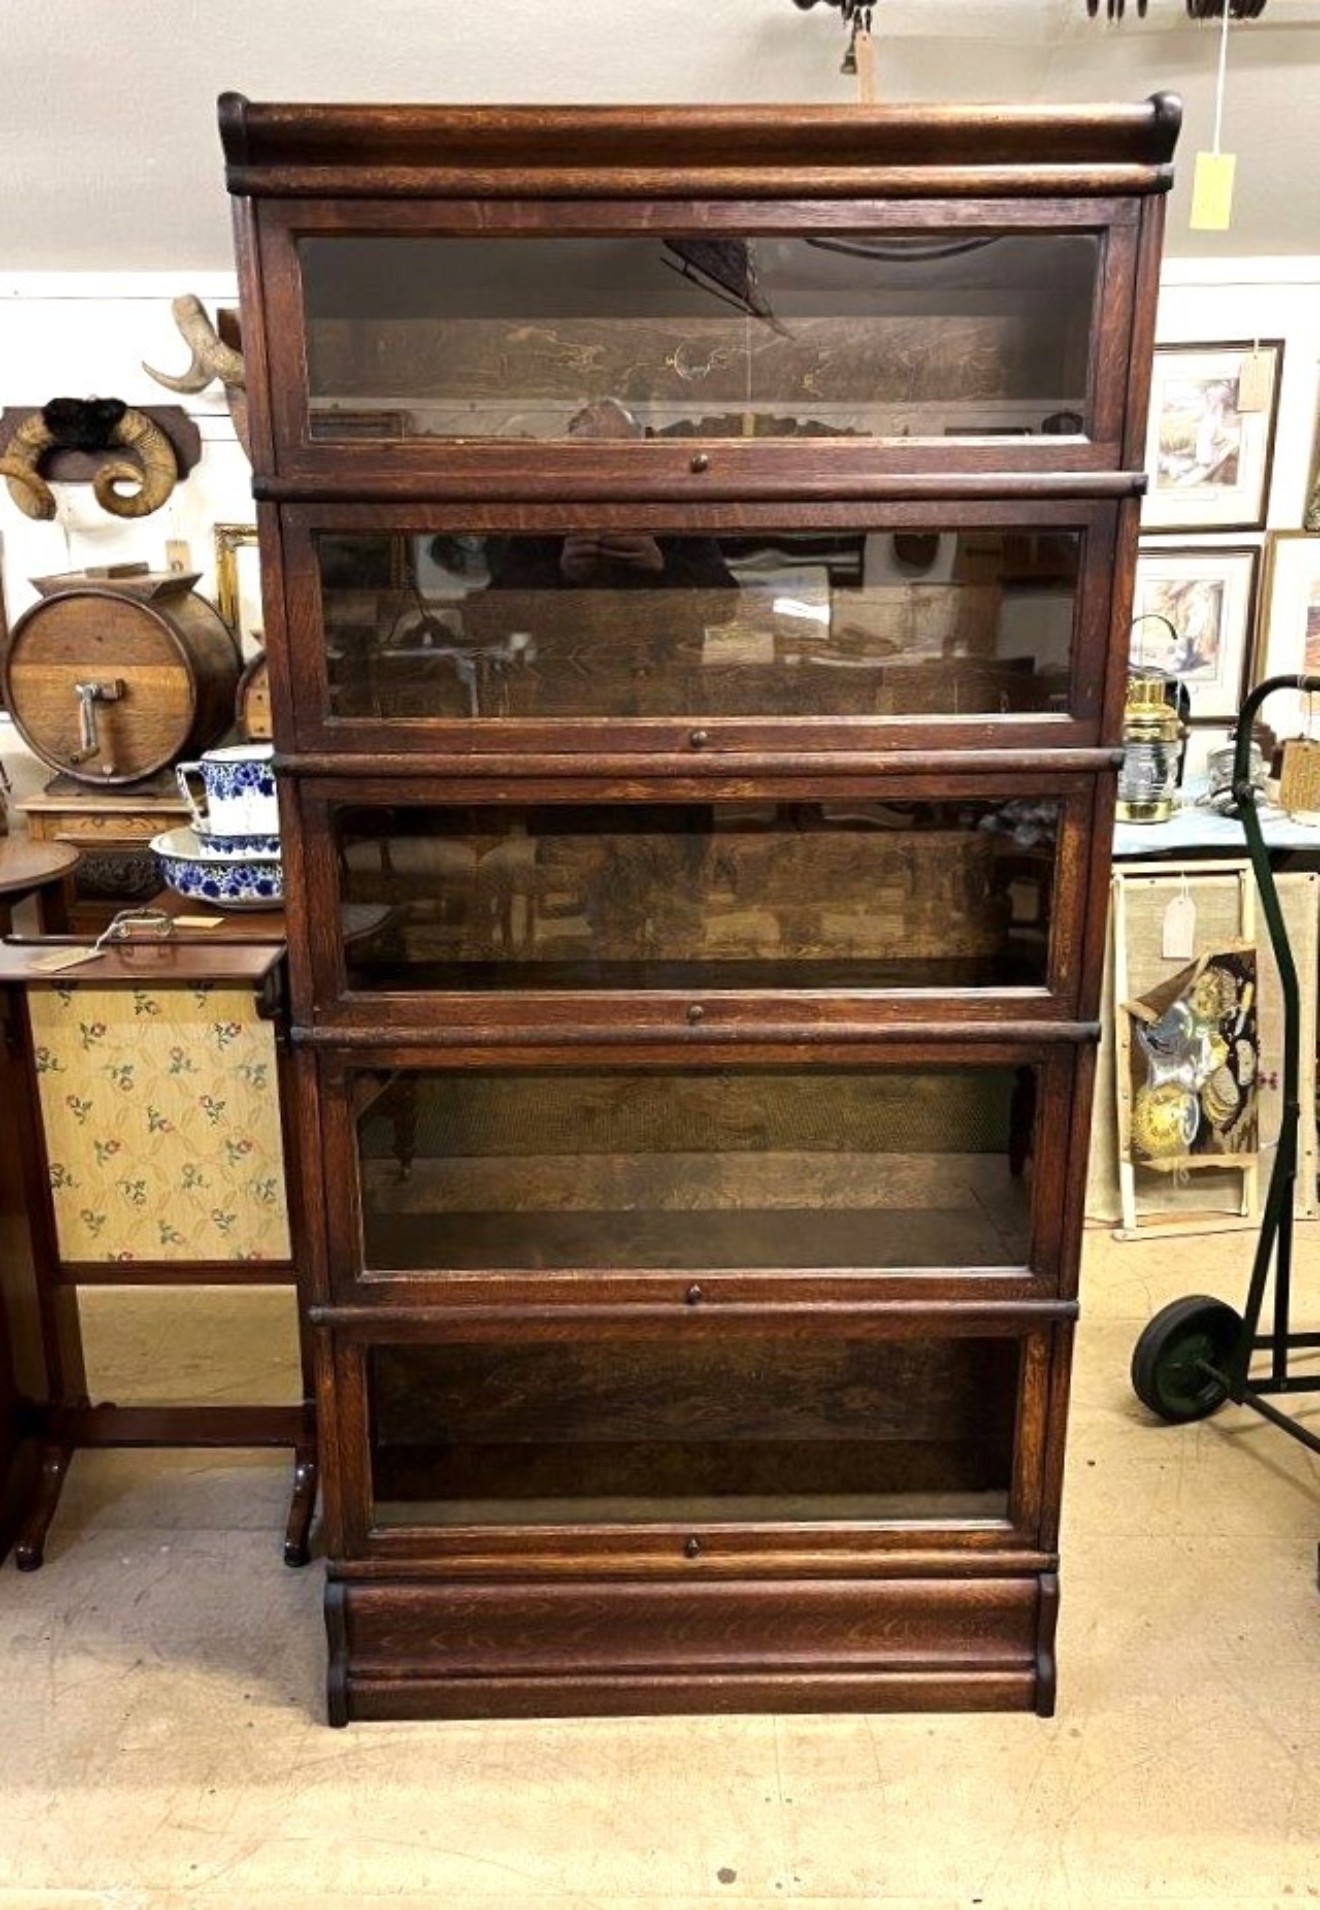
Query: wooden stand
x=36 y=869
x=60 y=1418
x=111 y=828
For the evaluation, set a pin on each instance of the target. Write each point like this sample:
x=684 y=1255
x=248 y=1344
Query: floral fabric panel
x=161 y=1116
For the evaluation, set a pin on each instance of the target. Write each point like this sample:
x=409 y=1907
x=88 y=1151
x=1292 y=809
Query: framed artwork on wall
x=238 y=584
x=1210 y=444
x=1194 y=615
x=1290 y=620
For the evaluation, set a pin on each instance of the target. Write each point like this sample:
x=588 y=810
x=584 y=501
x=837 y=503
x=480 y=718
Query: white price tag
x=1179 y=944
x=1254 y=381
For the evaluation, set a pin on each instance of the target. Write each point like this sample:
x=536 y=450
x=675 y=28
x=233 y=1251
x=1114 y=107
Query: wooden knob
x=696 y=1013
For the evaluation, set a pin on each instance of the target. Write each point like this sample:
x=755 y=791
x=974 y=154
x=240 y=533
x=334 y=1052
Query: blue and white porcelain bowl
x=228 y=882
x=212 y=843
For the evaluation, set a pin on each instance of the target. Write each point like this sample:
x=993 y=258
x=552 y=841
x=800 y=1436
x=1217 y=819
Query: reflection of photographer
x=609 y=560
x=583 y=558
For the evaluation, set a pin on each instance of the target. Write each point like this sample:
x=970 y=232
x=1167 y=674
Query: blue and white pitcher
x=237 y=791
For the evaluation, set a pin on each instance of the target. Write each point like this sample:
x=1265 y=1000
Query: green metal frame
x=1275 y=1242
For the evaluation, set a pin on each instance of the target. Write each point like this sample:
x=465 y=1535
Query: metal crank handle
x=89 y=695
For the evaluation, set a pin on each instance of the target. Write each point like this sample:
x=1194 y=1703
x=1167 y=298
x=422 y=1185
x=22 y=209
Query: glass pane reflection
x=609 y=623
x=831 y=335
x=736 y=1428
x=734 y=1167
x=880 y=894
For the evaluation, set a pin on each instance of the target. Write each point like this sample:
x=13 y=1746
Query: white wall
x=83 y=335
x=110 y=158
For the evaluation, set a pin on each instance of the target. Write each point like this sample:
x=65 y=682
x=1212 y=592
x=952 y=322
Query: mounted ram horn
x=18 y=466
x=98 y=426
x=211 y=359
x=153 y=475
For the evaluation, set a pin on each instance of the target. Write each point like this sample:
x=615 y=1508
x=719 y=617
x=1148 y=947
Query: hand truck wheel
x=1180 y=1359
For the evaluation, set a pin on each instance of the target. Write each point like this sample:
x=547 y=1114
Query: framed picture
x=1194 y=615
x=238 y=584
x=1207 y=459
x=1291 y=613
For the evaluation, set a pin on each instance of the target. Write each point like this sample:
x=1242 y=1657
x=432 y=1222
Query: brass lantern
x=1154 y=732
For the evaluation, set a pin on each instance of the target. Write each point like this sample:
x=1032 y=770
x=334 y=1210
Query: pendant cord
x=1223 y=75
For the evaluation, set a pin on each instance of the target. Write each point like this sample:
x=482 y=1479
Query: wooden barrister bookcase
x=698 y=550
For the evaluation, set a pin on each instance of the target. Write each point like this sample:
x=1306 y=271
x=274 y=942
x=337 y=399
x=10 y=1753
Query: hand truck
x=1196 y=1353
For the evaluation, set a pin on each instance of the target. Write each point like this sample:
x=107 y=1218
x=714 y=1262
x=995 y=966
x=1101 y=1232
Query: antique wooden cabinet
x=697 y=550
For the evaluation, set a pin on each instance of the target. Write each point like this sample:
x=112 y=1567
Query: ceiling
x=110 y=160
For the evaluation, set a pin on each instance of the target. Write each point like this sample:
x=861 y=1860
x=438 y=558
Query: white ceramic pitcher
x=237 y=791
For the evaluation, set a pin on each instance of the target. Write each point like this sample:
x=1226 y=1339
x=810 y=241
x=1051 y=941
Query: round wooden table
x=36 y=868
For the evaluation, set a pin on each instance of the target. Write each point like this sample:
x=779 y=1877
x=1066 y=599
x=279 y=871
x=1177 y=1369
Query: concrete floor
x=161 y=1690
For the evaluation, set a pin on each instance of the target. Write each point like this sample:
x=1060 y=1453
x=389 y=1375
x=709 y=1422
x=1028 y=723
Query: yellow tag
x=1212 y=192
x=199 y=921
x=1299 y=781
x=864 y=48
x=1254 y=381
x=65 y=958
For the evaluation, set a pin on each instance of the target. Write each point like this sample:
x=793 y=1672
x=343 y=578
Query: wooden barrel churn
x=111 y=681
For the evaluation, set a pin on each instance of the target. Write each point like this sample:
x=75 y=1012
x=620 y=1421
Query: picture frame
x=238 y=584
x=1209 y=464
x=1208 y=593
x=1290 y=610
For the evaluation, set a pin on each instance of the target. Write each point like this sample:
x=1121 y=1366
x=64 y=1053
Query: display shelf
x=698 y=550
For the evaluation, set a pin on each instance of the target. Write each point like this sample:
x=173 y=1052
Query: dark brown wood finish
x=332 y=1001
x=24 y=1321
x=412 y=1649
x=527 y=1608
x=300 y=689
x=1045 y=1268
x=1046 y=145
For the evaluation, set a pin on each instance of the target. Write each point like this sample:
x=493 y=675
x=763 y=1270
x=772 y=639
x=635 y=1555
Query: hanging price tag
x=1299 y=780
x=64 y=958
x=864 y=49
x=1212 y=192
x=1179 y=941
x=1254 y=381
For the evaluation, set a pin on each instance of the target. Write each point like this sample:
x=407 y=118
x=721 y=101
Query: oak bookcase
x=697 y=550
